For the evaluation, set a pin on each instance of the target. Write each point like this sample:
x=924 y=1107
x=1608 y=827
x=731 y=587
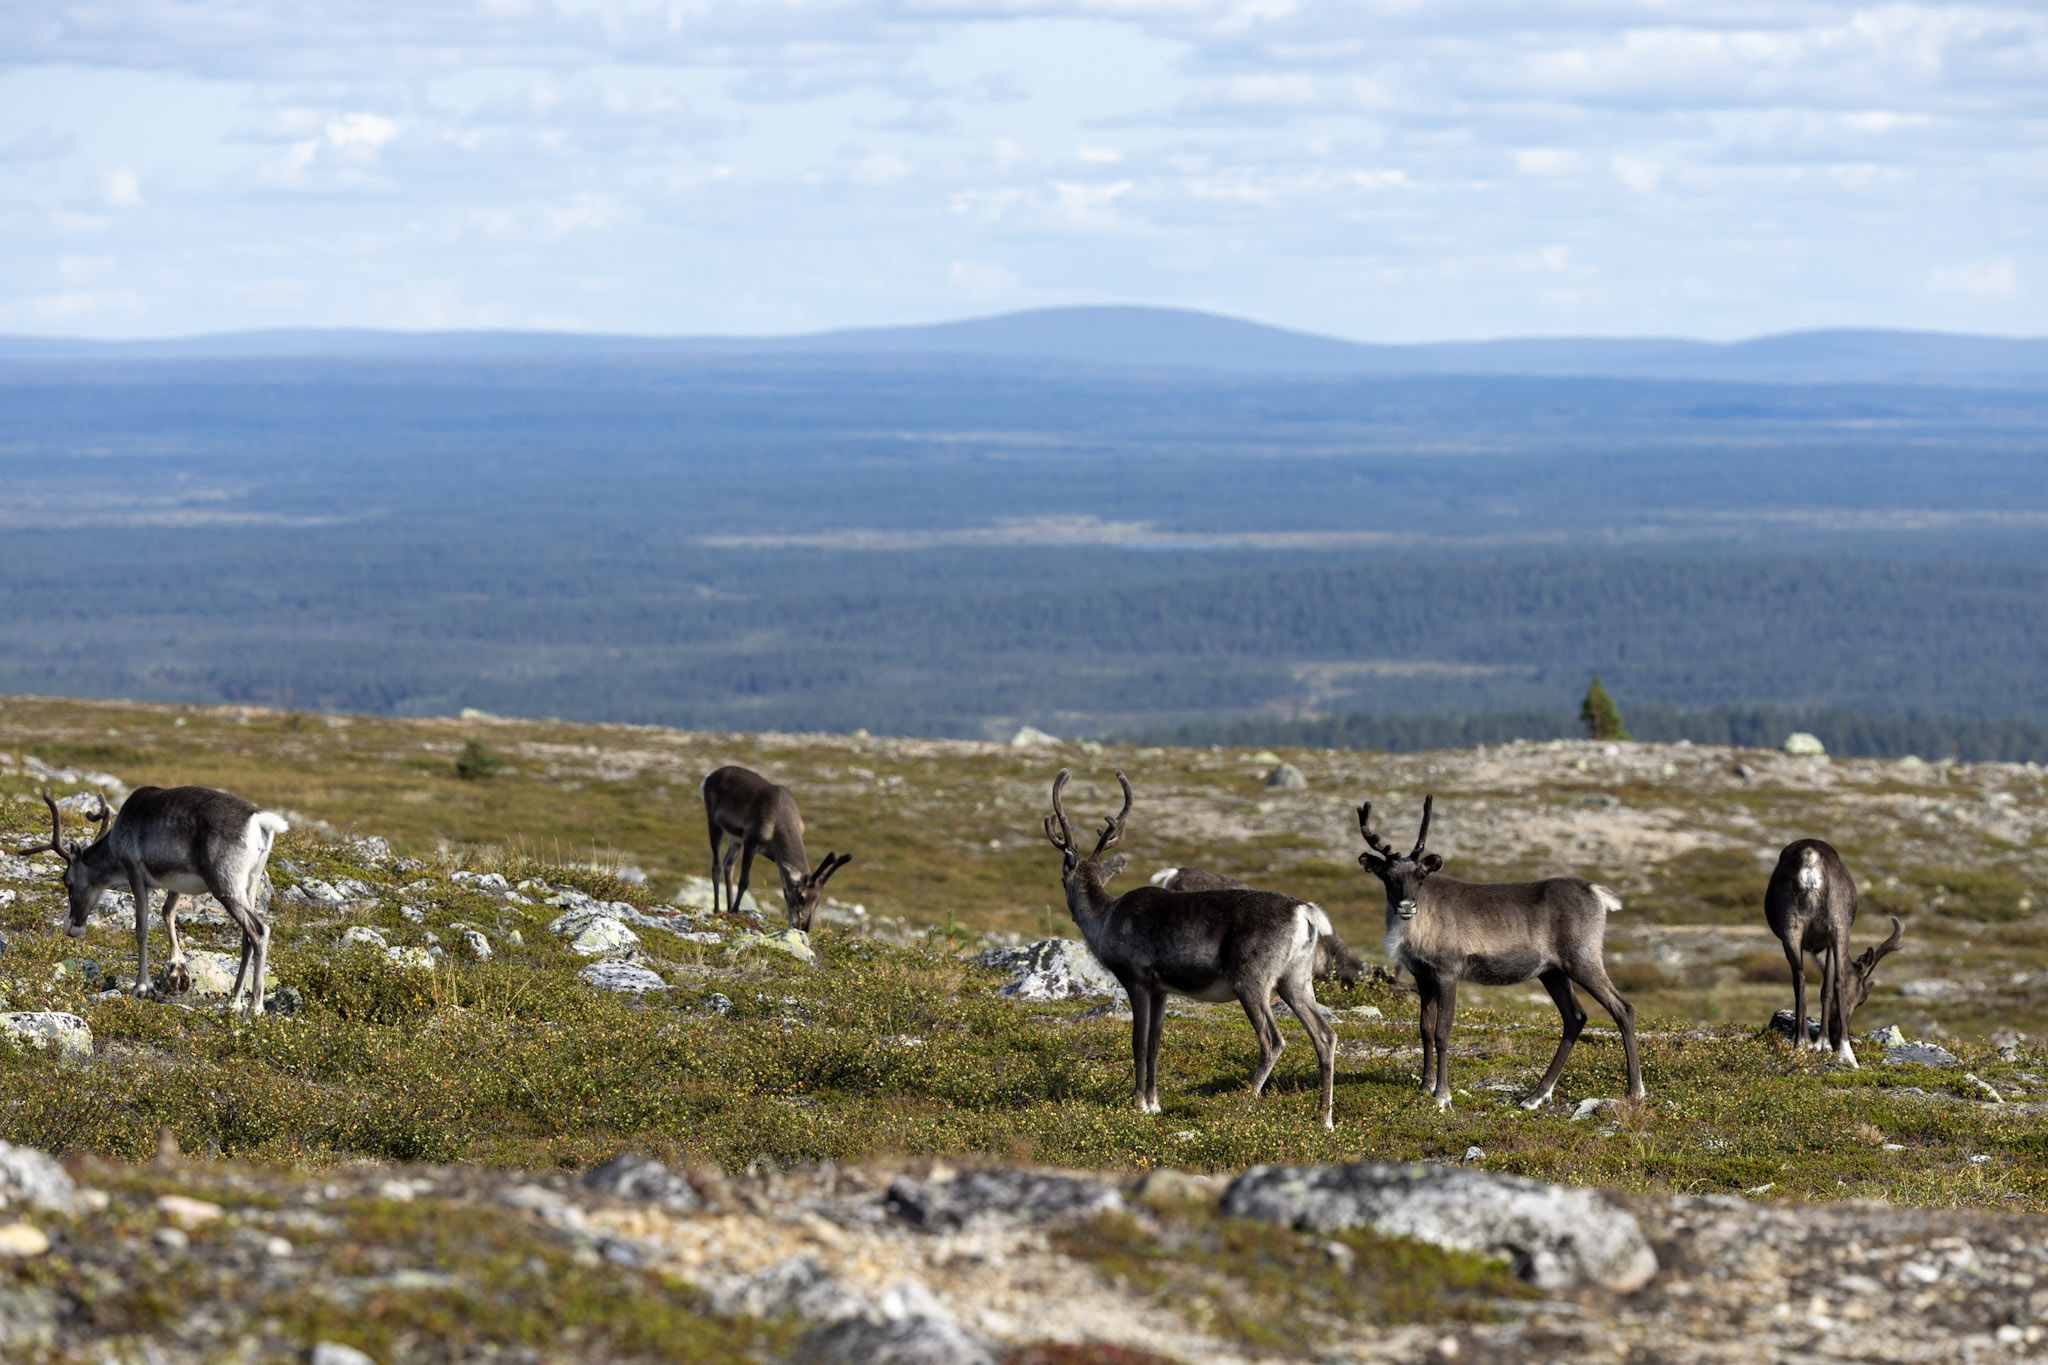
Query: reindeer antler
x=1113 y=832
x=56 y=841
x=1372 y=841
x=1422 y=834
x=103 y=817
x=1056 y=827
x=1867 y=960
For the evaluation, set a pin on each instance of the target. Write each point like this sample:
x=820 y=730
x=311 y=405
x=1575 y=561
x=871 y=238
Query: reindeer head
x=1076 y=871
x=802 y=894
x=80 y=884
x=1402 y=875
x=1864 y=968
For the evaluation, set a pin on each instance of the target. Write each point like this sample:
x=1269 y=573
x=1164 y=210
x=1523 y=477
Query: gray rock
x=334 y=1353
x=1891 y=1035
x=1555 y=1235
x=795 y=942
x=1051 y=969
x=34 y=1178
x=594 y=932
x=1922 y=1054
x=1286 y=778
x=67 y=1033
x=1031 y=737
x=718 y=1004
x=1781 y=1023
x=475 y=946
x=630 y=1176
x=614 y=975
x=795 y=1287
x=1803 y=745
x=914 y=1328
x=361 y=935
x=1025 y=1196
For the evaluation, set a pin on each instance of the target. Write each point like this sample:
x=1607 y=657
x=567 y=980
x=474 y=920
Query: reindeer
x=185 y=840
x=755 y=813
x=1811 y=906
x=1217 y=945
x=1445 y=931
x=1334 y=958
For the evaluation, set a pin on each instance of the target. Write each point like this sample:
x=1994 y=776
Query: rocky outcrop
x=1051 y=969
x=1023 y=1195
x=1555 y=1235
x=67 y=1034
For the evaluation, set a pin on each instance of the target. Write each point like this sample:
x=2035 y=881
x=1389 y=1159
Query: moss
x=1275 y=1290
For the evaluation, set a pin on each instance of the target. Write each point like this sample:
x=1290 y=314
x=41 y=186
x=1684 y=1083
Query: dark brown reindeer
x=1445 y=931
x=1334 y=958
x=1811 y=906
x=186 y=840
x=755 y=814
x=1228 y=944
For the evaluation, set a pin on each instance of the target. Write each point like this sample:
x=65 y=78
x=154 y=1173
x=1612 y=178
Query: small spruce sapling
x=476 y=761
x=1599 y=714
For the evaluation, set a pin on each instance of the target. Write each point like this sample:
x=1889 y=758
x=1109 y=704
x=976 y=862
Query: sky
x=1382 y=170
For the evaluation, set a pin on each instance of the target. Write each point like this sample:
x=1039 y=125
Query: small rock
x=516 y=939
x=601 y=934
x=410 y=957
x=412 y=914
x=1556 y=1235
x=1800 y=744
x=797 y=1287
x=1286 y=778
x=1922 y=1054
x=614 y=975
x=334 y=1353
x=1473 y=1156
x=171 y=1239
x=2008 y=1052
x=187 y=1212
x=1781 y=1024
x=1744 y=772
x=475 y=946
x=31 y=1177
x=19 y=1241
x=67 y=1033
x=1168 y=1186
x=1027 y=1196
x=1589 y=1107
x=718 y=1004
x=1365 y=1012
x=362 y=936
x=1051 y=969
x=1891 y=1035
x=629 y=1176
x=1031 y=737
x=1983 y=1088
x=795 y=942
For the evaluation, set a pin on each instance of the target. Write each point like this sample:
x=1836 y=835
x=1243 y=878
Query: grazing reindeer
x=1225 y=944
x=185 y=840
x=756 y=814
x=1334 y=958
x=1811 y=906
x=1445 y=931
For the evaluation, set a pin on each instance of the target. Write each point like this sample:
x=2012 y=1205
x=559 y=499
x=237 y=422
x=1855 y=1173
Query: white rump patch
x=1609 y=902
x=1317 y=918
x=261 y=831
x=1809 y=872
x=1164 y=875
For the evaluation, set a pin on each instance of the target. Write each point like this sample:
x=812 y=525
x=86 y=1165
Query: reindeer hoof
x=1443 y=1102
x=1535 y=1102
x=142 y=990
x=178 y=980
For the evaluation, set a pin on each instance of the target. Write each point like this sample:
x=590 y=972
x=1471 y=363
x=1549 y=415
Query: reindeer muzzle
x=1406 y=909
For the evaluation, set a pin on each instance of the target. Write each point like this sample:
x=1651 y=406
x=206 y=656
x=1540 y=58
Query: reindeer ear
x=1432 y=863
x=1110 y=866
x=1372 y=864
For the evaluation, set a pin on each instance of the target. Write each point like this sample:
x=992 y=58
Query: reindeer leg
x=255 y=953
x=1573 y=1017
x=732 y=897
x=1258 y=1007
x=140 y=889
x=1298 y=990
x=1838 y=1004
x=1594 y=979
x=1795 y=956
x=1156 y=1027
x=1425 y=989
x=180 y=979
x=717 y=884
x=1446 y=1010
x=1141 y=1027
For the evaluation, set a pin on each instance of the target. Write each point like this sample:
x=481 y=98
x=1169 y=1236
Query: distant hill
x=1174 y=338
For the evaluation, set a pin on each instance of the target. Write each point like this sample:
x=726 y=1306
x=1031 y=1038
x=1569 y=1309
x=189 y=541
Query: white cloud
x=121 y=188
x=1986 y=279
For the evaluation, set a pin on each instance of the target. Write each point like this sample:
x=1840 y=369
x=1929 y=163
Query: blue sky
x=1385 y=170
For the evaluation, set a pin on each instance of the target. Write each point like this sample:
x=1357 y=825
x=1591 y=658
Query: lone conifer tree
x=1599 y=714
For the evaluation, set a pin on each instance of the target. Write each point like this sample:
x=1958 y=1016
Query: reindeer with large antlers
x=1811 y=906
x=1230 y=944
x=1445 y=932
x=186 y=840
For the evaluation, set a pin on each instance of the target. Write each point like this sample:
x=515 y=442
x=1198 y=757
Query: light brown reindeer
x=754 y=813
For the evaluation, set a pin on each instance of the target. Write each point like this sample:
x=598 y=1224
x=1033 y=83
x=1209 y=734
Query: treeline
x=1851 y=734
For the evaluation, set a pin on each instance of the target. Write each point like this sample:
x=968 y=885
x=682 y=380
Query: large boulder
x=1051 y=969
x=1555 y=1235
x=1286 y=778
x=594 y=932
x=614 y=975
x=1800 y=744
x=67 y=1033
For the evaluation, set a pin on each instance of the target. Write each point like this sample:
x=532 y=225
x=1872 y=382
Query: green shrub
x=477 y=761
